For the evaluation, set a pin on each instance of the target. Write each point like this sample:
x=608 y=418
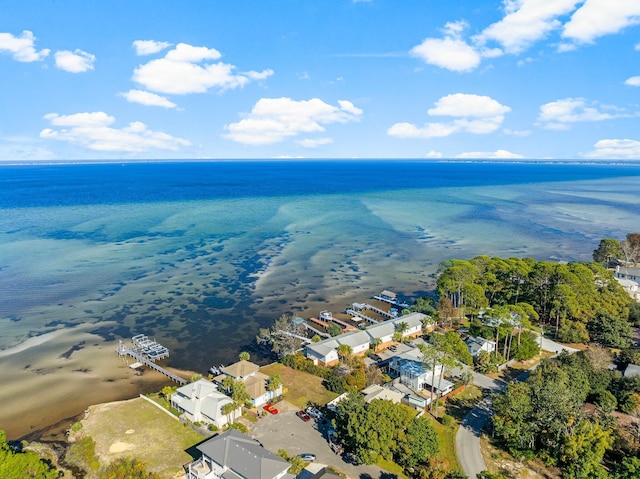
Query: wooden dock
x=353 y=312
x=145 y=352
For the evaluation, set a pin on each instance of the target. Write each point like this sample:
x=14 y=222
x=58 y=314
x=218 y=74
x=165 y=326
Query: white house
x=411 y=370
x=476 y=344
x=233 y=455
x=357 y=340
x=201 y=401
x=376 y=391
x=256 y=383
x=324 y=353
x=629 y=279
x=385 y=330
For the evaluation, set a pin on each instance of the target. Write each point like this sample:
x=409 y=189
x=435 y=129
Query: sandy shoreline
x=49 y=380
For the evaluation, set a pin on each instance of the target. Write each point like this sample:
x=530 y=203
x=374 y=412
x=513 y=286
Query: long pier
x=145 y=352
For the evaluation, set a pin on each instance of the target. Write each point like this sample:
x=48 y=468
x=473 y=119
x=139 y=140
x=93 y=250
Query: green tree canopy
x=608 y=249
x=19 y=465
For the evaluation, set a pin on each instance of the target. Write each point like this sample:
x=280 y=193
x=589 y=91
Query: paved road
x=468 y=435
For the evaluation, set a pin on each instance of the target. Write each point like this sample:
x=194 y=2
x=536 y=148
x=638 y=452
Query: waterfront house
x=200 y=401
x=477 y=344
x=385 y=330
x=233 y=455
x=325 y=352
x=256 y=383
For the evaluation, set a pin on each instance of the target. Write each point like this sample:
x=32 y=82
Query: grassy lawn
x=301 y=389
x=138 y=429
x=447 y=442
x=460 y=405
x=391 y=467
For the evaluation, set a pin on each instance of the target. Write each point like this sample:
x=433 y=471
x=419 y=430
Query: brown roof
x=241 y=369
x=257 y=385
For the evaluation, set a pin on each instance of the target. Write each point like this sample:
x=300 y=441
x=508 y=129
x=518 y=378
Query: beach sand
x=44 y=388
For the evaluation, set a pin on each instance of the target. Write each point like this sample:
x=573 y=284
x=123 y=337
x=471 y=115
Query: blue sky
x=512 y=79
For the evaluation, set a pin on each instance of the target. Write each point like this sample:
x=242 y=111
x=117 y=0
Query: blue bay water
x=202 y=254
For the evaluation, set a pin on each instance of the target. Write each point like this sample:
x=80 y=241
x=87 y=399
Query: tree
x=583 y=451
x=18 y=465
x=239 y=392
x=275 y=382
x=316 y=338
x=424 y=305
x=446 y=311
x=610 y=331
x=344 y=351
x=127 y=469
x=229 y=409
x=244 y=356
x=631 y=248
x=401 y=328
x=375 y=343
x=608 y=249
x=285 y=336
x=421 y=443
x=334 y=330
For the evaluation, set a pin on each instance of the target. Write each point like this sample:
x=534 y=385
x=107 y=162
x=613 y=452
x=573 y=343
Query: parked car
x=314 y=413
x=308 y=457
x=304 y=416
x=270 y=409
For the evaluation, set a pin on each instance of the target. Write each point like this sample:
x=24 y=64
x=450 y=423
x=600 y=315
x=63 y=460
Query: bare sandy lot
x=138 y=429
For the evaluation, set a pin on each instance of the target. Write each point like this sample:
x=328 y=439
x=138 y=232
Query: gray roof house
x=200 y=401
x=233 y=455
x=475 y=345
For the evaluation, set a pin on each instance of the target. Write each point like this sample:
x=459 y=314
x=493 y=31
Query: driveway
x=287 y=431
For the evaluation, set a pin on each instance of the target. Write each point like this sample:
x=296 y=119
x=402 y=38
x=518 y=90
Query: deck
x=146 y=351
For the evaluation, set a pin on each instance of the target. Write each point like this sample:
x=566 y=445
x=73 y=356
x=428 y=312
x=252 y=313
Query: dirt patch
x=118 y=447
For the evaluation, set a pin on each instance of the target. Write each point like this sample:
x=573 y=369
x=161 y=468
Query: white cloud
x=183 y=70
x=76 y=61
x=433 y=154
x=526 y=22
x=596 y=18
x=93 y=131
x=472 y=113
x=494 y=155
x=559 y=114
x=633 y=81
x=615 y=149
x=149 y=47
x=517 y=133
x=314 y=142
x=450 y=52
x=637 y=47
x=147 y=98
x=273 y=120
x=22 y=48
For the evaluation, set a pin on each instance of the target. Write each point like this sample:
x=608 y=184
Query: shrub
x=76 y=426
x=239 y=426
x=447 y=420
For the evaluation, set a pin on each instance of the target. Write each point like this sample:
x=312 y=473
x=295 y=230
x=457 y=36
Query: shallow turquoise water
x=201 y=255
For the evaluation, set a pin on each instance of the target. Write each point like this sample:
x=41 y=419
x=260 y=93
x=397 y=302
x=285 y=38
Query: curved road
x=468 y=435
